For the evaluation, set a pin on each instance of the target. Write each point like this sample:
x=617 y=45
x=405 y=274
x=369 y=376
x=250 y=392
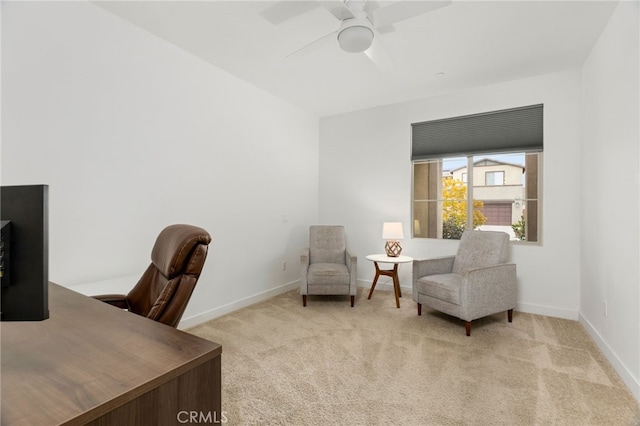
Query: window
x=494 y=178
x=497 y=189
x=440 y=196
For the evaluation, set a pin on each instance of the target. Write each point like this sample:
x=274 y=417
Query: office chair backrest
x=166 y=286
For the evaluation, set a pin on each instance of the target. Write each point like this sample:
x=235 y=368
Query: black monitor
x=5 y=253
x=24 y=253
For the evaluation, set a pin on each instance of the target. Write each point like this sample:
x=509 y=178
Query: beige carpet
x=330 y=364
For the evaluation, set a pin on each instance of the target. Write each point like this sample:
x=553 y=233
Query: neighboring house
x=500 y=185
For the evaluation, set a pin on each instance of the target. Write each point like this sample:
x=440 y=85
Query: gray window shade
x=509 y=130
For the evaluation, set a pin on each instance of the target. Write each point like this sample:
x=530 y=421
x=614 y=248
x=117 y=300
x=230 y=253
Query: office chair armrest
x=118 y=300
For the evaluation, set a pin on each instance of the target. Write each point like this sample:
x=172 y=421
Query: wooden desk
x=91 y=363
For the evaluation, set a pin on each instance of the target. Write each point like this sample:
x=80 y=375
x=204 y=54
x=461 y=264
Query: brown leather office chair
x=165 y=288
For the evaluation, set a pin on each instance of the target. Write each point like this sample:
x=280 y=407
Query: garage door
x=497 y=213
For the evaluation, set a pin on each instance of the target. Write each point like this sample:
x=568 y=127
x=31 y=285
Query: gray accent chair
x=474 y=283
x=326 y=266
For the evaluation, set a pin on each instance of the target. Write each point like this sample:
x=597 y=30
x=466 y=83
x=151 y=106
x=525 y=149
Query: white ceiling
x=472 y=42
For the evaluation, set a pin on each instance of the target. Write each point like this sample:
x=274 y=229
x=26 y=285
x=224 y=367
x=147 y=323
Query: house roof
x=486 y=162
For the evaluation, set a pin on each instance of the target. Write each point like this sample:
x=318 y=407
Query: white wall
x=132 y=134
x=610 y=193
x=365 y=179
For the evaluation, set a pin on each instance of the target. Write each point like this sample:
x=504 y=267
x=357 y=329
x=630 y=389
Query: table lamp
x=392 y=232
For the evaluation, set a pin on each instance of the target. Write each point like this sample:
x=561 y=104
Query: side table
x=393 y=273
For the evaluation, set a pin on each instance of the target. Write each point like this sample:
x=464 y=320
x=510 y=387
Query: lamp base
x=392 y=248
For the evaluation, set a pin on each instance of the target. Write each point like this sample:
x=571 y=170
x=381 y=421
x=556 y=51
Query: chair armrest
x=351 y=261
x=435 y=266
x=118 y=300
x=352 y=266
x=488 y=290
x=304 y=258
x=304 y=269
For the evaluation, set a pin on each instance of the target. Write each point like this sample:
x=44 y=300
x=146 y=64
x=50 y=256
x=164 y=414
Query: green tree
x=454 y=209
x=520 y=229
x=451 y=230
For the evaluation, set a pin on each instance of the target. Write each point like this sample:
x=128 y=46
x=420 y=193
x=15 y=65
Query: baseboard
x=627 y=377
x=385 y=284
x=549 y=311
x=223 y=310
x=247 y=301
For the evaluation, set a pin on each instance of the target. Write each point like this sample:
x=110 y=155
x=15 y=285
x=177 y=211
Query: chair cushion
x=443 y=287
x=328 y=273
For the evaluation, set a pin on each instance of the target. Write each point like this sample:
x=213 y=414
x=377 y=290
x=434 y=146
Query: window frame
x=537 y=201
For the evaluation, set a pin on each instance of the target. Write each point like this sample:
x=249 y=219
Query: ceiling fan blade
x=283 y=11
x=313 y=45
x=337 y=8
x=379 y=55
x=386 y=29
x=401 y=10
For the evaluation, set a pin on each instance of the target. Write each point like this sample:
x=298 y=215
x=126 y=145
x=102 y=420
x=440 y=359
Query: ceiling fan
x=361 y=22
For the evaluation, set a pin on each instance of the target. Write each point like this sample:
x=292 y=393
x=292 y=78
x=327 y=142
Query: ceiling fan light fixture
x=355 y=38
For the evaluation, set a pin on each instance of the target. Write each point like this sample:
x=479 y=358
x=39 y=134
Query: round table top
x=386 y=259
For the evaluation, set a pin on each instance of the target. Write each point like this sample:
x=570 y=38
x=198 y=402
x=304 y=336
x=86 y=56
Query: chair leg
x=510 y=315
x=419 y=309
x=304 y=300
x=467 y=325
x=353 y=299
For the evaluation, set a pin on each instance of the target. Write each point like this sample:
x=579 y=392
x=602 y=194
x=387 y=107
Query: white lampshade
x=392 y=231
x=355 y=39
